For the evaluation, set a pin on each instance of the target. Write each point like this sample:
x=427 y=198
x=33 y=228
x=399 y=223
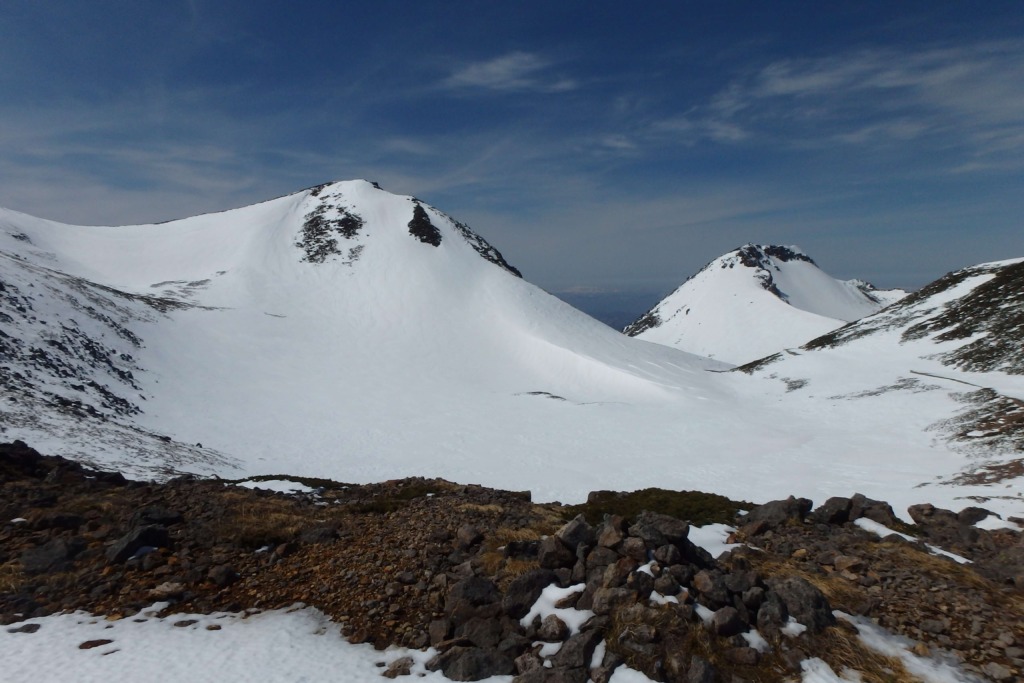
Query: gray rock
x=726 y=623
x=553 y=554
x=468 y=536
x=472 y=597
x=524 y=591
x=875 y=510
x=552 y=630
x=700 y=671
x=772 y=614
x=472 y=664
x=612 y=532
x=804 y=602
x=154 y=536
x=835 y=510
x=53 y=556
x=656 y=529
x=777 y=513
x=578 y=650
x=575 y=533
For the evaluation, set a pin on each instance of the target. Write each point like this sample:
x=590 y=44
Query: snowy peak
x=755 y=300
x=332 y=228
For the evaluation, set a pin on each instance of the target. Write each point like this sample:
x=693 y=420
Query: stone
x=656 y=529
x=700 y=671
x=575 y=533
x=804 y=602
x=744 y=656
x=997 y=671
x=155 y=515
x=461 y=663
x=667 y=585
x=400 y=667
x=53 y=556
x=612 y=532
x=634 y=549
x=472 y=597
x=668 y=555
x=438 y=630
x=468 y=536
x=482 y=632
x=607 y=599
x=778 y=512
x=552 y=629
x=553 y=554
x=849 y=563
x=524 y=591
x=835 y=511
x=710 y=585
x=222 y=575
x=577 y=652
x=772 y=615
x=726 y=623
x=875 y=510
x=970 y=516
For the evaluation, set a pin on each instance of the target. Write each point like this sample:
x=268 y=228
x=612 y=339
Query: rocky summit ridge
x=462 y=569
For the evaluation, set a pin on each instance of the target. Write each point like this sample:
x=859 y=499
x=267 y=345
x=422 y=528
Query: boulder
x=461 y=663
x=53 y=556
x=835 y=510
x=154 y=536
x=524 y=591
x=804 y=602
x=553 y=554
x=776 y=513
x=656 y=529
x=575 y=533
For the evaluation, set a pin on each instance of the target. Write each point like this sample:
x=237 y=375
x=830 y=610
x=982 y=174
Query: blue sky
x=601 y=147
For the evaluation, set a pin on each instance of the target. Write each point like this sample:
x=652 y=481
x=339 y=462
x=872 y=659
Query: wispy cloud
x=968 y=98
x=513 y=71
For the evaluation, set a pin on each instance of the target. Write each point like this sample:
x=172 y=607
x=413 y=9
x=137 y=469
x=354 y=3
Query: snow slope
x=350 y=333
x=754 y=301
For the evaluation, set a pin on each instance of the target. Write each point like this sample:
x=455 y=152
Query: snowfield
x=317 y=334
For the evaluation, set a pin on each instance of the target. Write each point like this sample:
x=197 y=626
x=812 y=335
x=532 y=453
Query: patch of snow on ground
x=992 y=523
x=297 y=644
x=927 y=669
x=545 y=605
x=817 y=671
x=624 y=674
x=278 y=485
x=882 y=531
x=713 y=538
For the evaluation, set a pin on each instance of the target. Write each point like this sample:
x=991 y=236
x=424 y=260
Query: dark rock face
x=777 y=513
x=524 y=591
x=472 y=664
x=154 y=536
x=422 y=229
x=54 y=556
x=835 y=510
x=659 y=530
x=805 y=603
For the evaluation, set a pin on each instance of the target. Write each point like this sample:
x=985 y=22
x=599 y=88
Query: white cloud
x=513 y=71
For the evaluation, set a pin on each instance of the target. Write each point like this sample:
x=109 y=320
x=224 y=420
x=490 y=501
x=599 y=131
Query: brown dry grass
x=11 y=577
x=491 y=509
x=259 y=522
x=492 y=558
x=841 y=593
x=841 y=649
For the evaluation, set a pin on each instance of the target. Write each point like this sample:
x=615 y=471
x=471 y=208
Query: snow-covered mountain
x=754 y=301
x=350 y=333
x=959 y=337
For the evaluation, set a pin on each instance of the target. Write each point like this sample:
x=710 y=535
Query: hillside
x=349 y=333
x=754 y=301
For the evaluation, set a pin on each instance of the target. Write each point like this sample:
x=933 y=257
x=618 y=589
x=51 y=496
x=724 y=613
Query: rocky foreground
x=427 y=563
